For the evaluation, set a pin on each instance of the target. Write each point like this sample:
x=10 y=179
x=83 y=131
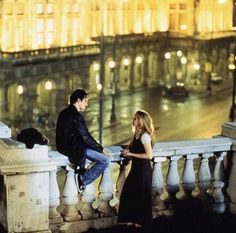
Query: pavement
x=188 y=218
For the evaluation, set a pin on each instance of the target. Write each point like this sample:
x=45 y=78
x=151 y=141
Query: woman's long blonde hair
x=146 y=122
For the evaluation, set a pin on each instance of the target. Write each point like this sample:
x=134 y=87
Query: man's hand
x=106 y=152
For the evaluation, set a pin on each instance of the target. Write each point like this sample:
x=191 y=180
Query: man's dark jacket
x=73 y=137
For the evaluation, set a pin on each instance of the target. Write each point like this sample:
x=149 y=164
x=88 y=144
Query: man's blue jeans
x=101 y=163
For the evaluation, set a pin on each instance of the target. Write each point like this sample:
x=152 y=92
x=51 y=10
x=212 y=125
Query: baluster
x=54 y=198
x=188 y=176
x=106 y=194
x=88 y=210
x=219 y=206
x=158 y=186
x=70 y=196
x=219 y=167
x=204 y=176
x=172 y=181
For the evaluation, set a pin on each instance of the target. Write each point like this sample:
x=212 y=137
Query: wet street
x=198 y=116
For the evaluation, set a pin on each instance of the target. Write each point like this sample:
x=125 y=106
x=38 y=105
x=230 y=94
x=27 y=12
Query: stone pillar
x=229 y=130
x=24 y=182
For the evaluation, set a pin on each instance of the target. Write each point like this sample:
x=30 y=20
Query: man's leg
x=101 y=163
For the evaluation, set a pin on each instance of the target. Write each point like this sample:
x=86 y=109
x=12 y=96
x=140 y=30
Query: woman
x=135 y=206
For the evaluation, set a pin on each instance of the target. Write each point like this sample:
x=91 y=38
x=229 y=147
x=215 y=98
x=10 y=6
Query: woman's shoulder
x=145 y=138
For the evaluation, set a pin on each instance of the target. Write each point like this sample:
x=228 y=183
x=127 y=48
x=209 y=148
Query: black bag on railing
x=31 y=136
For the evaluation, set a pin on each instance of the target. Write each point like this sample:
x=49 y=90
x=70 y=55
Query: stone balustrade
x=38 y=191
x=184 y=169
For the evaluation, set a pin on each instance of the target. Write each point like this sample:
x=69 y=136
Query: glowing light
x=231 y=66
x=39 y=8
x=126 y=61
x=196 y=66
x=138 y=59
x=20 y=89
x=221 y=1
x=179 y=53
x=167 y=55
x=48 y=85
x=112 y=64
x=183 y=60
x=95 y=66
x=183 y=27
x=99 y=86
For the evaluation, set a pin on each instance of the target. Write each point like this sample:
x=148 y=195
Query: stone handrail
x=193 y=168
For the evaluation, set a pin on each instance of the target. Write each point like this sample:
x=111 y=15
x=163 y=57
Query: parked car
x=178 y=89
x=216 y=78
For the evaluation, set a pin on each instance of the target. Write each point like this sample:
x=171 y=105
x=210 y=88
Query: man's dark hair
x=78 y=94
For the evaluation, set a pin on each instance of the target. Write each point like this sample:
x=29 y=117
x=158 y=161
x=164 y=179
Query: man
x=74 y=140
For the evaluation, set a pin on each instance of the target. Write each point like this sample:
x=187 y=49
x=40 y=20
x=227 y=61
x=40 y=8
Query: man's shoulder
x=70 y=109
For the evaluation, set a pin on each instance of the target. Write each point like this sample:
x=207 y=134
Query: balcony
x=193 y=170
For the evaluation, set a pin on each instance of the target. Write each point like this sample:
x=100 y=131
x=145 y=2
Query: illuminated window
x=40 y=25
x=39 y=28
x=183 y=21
x=182 y=6
x=49 y=8
x=20 y=34
x=75 y=30
x=49 y=33
x=172 y=6
x=20 y=9
x=178 y=17
x=8 y=38
x=76 y=8
x=68 y=8
x=39 y=8
x=172 y=21
x=50 y=25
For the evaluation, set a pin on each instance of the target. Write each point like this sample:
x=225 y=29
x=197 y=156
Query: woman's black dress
x=136 y=197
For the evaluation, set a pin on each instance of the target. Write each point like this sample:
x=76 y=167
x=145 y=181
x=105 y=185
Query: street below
x=199 y=116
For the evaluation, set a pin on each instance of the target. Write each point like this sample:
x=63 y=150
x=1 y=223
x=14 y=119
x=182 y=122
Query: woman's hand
x=125 y=152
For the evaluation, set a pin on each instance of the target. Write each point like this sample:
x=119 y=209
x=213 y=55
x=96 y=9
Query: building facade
x=49 y=47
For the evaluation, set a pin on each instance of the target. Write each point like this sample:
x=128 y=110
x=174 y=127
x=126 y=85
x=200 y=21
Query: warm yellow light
x=126 y=61
x=167 y=55
x=39 y=8
x=99 y=86
x=196 y=66
x=183 y=27
x=20 y=89
x=231 y=66
x=221 y=1
x=50 y=8
x=179 y=53
x=112 y=64
x=138 y=59
x=183 y=60
x=95 y=66
x=48 y=85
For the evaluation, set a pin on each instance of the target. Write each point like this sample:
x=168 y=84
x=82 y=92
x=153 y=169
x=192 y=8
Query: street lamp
x=112 y=65
x=102 y=68
x=138 y=61
x=232 y=109
x=208 y=69
x=196 y=67
x=183 y=61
